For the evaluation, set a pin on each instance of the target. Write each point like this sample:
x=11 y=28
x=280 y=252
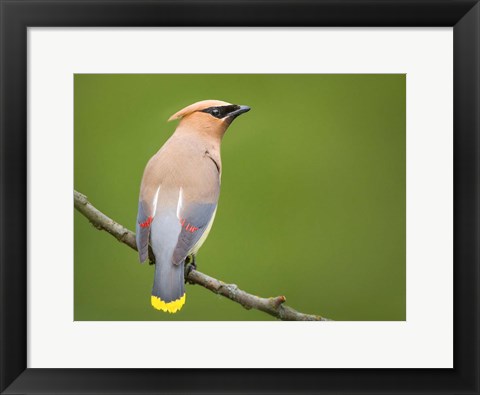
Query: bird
x=178 y=197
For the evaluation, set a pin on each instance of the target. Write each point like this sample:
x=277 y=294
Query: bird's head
x=212 y=117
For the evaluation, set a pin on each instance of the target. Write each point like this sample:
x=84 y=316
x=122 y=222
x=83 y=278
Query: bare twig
x=274 y=306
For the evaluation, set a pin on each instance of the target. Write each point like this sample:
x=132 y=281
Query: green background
x=312 y=203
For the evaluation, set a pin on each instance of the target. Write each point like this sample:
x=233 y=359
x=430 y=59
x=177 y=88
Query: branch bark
x=275 y=306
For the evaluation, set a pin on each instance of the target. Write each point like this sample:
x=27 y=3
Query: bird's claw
x=190 y=264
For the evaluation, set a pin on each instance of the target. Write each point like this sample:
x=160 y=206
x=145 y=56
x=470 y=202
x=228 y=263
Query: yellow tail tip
x=170 y=307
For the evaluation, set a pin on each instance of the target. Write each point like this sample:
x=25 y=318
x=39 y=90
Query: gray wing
x=194 y=219
x=144 y=220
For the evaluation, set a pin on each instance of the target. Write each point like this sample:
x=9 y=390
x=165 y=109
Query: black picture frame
x=18 y=15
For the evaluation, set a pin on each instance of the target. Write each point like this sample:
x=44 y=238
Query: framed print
x=344 y=253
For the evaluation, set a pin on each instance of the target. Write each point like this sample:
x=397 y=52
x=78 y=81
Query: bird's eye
x=217 y=112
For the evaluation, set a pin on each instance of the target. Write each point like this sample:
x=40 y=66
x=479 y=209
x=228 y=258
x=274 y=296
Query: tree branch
x=274 y=306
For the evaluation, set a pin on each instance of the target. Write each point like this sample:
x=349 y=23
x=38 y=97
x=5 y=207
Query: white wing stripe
x=155 y=200
x=180 y=202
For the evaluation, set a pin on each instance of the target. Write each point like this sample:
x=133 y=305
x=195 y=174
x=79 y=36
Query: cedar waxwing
x=179 y=195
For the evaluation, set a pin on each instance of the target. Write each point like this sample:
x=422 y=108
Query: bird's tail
x=168 y=293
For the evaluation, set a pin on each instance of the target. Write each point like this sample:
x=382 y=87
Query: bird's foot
x=191 y=261
x=151 y=259
x=190 y=264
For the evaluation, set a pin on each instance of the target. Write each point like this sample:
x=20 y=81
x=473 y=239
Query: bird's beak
x=241 y=110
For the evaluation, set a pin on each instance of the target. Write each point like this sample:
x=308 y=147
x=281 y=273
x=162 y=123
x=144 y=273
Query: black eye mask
x=221 y=111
